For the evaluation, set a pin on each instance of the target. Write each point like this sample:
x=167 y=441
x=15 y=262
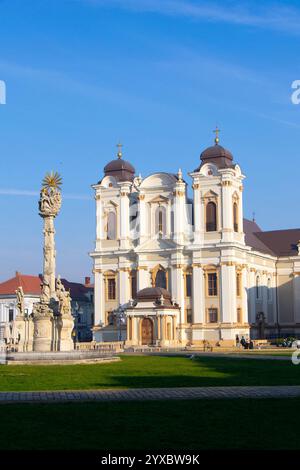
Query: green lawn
x=162 y=425
x=150 y=371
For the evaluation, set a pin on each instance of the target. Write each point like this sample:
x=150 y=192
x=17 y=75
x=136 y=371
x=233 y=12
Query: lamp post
x=120 y=317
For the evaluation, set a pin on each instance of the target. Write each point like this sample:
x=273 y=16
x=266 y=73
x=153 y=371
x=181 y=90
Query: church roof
x=274 y=242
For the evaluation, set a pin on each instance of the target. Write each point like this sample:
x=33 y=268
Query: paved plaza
x=180 y=393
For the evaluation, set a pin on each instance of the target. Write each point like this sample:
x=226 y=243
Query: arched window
x=211 y=217
x=111 y=226
x=161 y=279
x=160 y=220
x=257 y=287
x=235 y=217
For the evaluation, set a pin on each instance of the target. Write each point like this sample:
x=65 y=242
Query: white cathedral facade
x=184 y=270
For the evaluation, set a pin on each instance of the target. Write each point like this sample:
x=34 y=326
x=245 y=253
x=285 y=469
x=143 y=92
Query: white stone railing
x=93 y=345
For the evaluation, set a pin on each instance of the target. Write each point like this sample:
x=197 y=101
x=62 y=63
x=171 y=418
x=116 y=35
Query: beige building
x=222 y=276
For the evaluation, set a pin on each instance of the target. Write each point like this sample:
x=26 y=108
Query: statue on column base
x=23 y=324
x=65 y=321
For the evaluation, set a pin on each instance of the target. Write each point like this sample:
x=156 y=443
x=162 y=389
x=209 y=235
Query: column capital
x=141 y=268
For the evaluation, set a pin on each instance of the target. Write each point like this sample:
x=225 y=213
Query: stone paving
x=182 y=393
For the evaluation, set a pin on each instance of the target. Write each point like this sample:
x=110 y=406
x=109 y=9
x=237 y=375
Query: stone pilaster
x=123 y=285
x=142 y=218
x=198 y=215
x=228 y=292
x=179 y=212
x=227 y=211
x=198 y=294
x=99 y=298
x=296 y=297
x=124 y=215
x=143 y=277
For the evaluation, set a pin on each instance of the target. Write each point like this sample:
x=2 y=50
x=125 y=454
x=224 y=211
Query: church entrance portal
x=147 y=331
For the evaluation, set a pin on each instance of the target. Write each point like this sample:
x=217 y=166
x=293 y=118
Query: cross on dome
x=119 y=154
x=216 y=131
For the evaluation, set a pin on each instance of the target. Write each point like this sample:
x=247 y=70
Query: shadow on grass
x=179 y=425
x=212 y=372
x=150 y=371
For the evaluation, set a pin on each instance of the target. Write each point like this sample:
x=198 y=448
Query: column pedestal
x=66 y=325
x=42 y=332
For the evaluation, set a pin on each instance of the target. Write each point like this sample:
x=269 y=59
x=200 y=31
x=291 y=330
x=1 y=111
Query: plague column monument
x=52 y=314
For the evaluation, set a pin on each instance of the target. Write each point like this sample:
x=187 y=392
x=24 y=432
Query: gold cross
x=119 y=154
x=216 y=131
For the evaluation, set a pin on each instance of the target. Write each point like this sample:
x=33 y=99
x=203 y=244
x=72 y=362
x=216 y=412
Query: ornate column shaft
x=49 y=253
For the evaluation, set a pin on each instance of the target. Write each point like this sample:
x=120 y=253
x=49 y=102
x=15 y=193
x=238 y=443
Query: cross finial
x=216 y=131
x=119 y=154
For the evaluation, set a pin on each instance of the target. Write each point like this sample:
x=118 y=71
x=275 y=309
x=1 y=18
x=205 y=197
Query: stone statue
x=20 y=301
x=64 y=298
x=50 y=201
x=46 y=292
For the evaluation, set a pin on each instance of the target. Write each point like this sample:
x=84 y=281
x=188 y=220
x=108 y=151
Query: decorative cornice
x=178 y=266
x=197 y=265
x=196 y=186
x=141 y=197
x=226 y=183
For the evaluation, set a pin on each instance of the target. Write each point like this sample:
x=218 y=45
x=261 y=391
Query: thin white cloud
x=276 y=16
x=69 y=84
x=21 y=192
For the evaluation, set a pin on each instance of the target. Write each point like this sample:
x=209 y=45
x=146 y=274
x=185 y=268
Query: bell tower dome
x=218 y=207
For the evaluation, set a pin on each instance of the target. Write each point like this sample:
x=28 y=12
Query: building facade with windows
x=220 y=275
x=82 y=303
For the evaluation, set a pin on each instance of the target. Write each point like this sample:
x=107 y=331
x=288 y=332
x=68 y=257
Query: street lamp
x=120 y=317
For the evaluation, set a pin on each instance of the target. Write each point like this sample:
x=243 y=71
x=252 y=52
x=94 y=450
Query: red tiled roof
x=30 y=284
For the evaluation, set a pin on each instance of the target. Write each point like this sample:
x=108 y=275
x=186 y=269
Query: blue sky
x=156 y=74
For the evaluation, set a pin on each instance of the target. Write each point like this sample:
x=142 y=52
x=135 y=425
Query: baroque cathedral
x=171 y=270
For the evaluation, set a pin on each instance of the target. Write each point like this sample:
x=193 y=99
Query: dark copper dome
x=120 y=169
x=218 y=155
x=153 y=294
